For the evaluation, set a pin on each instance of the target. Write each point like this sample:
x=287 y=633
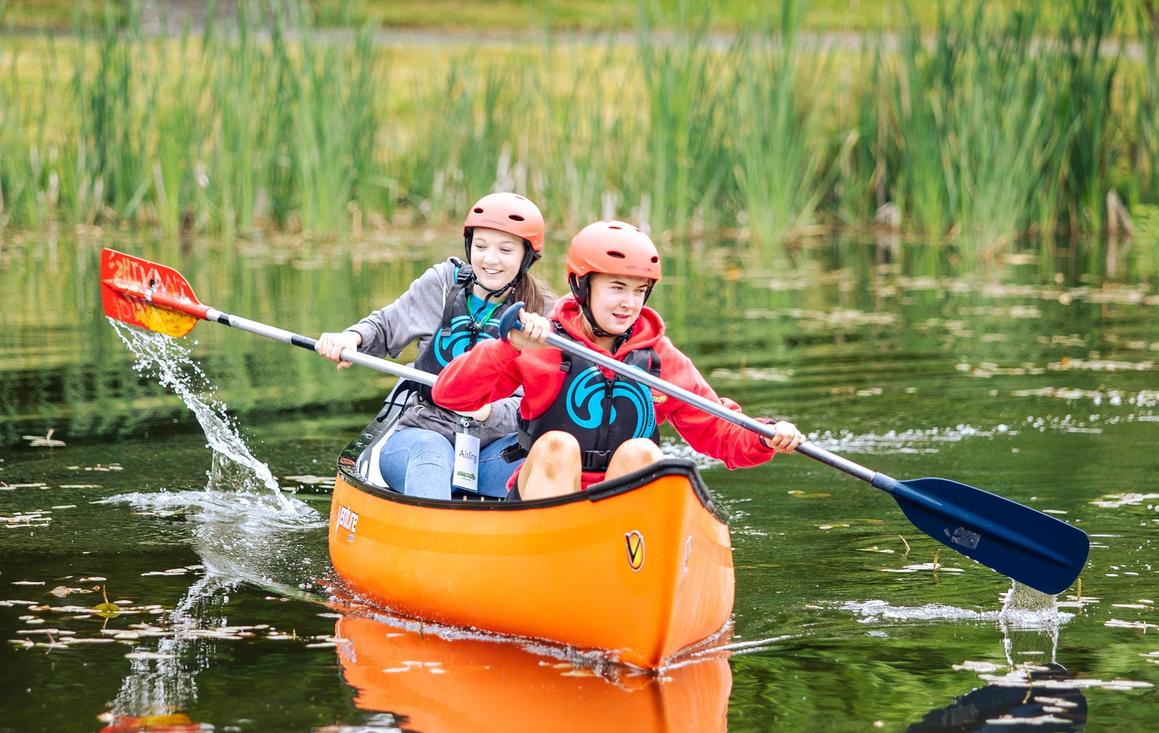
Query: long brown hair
x=532 y=292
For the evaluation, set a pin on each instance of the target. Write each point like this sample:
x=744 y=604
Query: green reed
x=592 y=173
x=922 y=90
x=467 y=140
x=776 y=147
x=1001 y=138
x=976 y=135
x=1145 y=164
x=335 y=128
x=1087 y=76
x=861 y=176
x=181 y=132
x=243 y=89
x=684 y=164
x=28 y=187
x=111 y=174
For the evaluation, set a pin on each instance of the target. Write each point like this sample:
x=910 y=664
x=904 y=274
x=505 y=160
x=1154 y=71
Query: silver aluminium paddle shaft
x=289 y=337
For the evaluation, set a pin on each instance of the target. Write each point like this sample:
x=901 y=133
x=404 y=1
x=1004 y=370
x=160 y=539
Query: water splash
x=878 y=611
x=1030 y=621
x=1023 y=608
x=245 y=528
x=169 y=362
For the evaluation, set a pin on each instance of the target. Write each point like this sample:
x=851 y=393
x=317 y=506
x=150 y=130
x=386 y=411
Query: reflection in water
x=425 y=682
x=1036 y=694
x=162 y=681
x=1035 y=705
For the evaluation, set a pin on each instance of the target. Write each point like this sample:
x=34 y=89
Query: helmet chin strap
x=596 y=329
x=529 y=258
x=498 y=291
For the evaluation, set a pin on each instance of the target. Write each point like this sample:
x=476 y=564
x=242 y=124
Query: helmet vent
x=614 y=226
x=515 y=217
x=655 y=260
x=617 y=255
x=478 y=209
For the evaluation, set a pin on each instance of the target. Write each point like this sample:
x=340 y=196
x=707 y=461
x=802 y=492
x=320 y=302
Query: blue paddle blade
x=1033 y=548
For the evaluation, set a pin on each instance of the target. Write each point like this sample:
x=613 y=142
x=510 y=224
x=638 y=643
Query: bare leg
x=632 y=456
x=552 y=467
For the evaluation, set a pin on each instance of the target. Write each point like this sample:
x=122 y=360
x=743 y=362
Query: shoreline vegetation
x=979 y=130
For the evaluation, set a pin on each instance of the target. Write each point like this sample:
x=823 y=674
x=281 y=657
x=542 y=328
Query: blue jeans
x=419 y=462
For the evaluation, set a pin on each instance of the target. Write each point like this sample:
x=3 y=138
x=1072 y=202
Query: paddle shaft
x=208 y=313
x=878 y=480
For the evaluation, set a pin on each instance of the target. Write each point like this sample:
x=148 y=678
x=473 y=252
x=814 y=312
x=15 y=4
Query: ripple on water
x=1022 y=608
x=904 y=441
x=875 y=611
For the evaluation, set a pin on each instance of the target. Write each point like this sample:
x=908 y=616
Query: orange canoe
x=640 y=567
x=432 y=684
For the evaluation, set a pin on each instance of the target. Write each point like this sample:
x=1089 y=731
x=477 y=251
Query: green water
x=1033 y=378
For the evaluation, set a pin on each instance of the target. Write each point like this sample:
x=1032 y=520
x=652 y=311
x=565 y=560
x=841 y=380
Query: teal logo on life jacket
x=585 y=402
x=456 y=340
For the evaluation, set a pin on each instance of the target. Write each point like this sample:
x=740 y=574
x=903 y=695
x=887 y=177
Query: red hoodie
x=494 y=369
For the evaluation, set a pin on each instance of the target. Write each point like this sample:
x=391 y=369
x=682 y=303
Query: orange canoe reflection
x=434 y=684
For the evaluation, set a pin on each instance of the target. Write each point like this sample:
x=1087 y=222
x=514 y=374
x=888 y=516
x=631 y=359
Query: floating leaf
x=62 y=591
x=43 y=441
x=106 y=609
x=797 y=493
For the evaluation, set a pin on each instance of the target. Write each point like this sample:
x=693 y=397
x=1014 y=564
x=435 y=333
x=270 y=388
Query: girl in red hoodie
x=581 y=423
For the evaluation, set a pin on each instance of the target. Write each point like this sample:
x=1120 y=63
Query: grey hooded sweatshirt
x=416 y=316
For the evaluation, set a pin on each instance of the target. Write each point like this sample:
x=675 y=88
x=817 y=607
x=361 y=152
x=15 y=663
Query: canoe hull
x=641 y=568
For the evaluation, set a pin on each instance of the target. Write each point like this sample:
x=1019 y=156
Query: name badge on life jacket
x=466 y=472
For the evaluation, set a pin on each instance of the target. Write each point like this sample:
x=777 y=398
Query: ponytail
x=531 y=292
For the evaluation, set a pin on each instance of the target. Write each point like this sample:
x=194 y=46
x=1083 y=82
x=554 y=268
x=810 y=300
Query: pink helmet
x=614 y=248
x=507 y=212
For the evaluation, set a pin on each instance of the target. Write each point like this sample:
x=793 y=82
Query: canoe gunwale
x=348 y=460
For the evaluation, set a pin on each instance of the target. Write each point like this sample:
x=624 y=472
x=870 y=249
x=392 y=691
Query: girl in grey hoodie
x=450 y=308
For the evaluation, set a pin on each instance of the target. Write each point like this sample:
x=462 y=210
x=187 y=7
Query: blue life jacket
x=601 y=412
x=462 y=326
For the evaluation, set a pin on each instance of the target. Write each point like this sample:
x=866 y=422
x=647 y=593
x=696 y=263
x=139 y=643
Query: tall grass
x=594 y=170
x=248 y=90
x=335 y=128
x=1087 y=75
x=922 y=89
x=111 y=174
x=467 y=139
x=28 y=185
x=685 y=163
x=1145 y=163
x=1002 y=138
x=776 y=149
x=235 y=130
x=862 y=176
x=976 y=135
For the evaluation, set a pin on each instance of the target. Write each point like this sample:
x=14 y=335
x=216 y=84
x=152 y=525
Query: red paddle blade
x=148 y=294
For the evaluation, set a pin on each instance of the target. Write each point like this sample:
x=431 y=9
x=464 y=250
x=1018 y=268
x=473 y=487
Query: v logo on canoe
x=635 y=542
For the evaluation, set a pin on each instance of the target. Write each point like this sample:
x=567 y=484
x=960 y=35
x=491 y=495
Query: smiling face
x=495 y=258
x=616 y=300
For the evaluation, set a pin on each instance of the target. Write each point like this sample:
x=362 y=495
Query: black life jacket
x=460 y=328
x=582 y=407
